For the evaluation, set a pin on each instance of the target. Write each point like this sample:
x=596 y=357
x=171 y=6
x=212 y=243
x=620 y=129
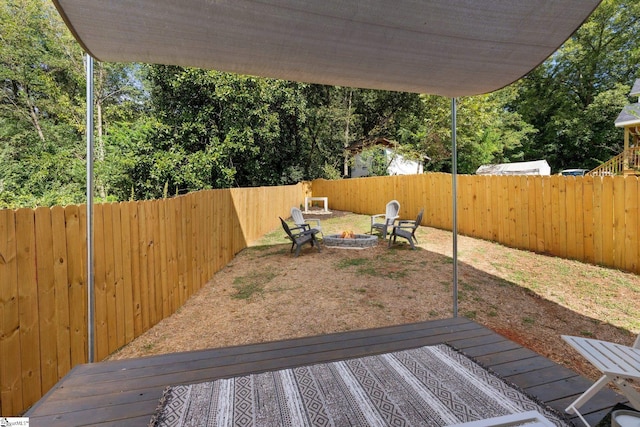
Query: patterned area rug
x=428 y=386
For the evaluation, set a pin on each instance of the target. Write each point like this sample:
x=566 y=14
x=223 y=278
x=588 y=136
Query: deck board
x=126 y=392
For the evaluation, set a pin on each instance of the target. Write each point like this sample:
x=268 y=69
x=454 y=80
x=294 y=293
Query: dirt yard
x=266 y=294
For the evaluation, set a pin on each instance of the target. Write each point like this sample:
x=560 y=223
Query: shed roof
x=535 y=167
x=443 y=47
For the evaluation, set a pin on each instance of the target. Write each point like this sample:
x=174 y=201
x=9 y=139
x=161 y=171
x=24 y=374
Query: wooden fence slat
x=464 y=214
x=162 y=243
x=487 y=196
x=77 y=285
x=118 y=275
x=588 y=197
x=523 y=216
x=619 y=221
x=183 y=278
x=534 y=211
x=127 y=276
x=46 y=298
x=100 y=285
x=513 y=201
x=11 y=402
x=631 y=223
x=578 y=202
x=155 y=309
x=110 y=277
x=557 y=219
x=570 y=206
x=61 y=286
x=28 y=306
x=562 y=215
x=145 y=282
x=172 y=262
x=607 y=220
x=136 y=268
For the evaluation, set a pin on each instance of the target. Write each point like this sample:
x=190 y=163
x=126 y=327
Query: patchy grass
x=251 y=284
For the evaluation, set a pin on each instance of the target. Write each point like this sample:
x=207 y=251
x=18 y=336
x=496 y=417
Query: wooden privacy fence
x=591 y=219
x=150 y=257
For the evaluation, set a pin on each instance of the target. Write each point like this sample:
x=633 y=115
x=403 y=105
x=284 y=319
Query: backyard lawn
x=266 y=294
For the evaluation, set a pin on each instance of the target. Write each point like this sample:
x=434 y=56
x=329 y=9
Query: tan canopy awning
x=444 y=47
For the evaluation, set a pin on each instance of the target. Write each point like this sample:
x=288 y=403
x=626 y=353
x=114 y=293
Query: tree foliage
x=574 y=98
x=165 y=130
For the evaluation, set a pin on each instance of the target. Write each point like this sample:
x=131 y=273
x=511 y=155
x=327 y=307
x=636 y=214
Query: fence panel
x=570 y=185
x=10 y=360
x=46 y=297
x=588 y=236
x=28 y=306
x=631 y=224
x=593 y=219
x=100 y=286
x=606 y=217
x=619 y=222
x=61 y=286
x=127 y=271
x=151 y=256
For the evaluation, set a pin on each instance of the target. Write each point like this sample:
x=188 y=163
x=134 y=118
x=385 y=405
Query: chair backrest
x=287 y=229
x=637 y=343
x=419 y=218
x=393 y=207
x=296 y=216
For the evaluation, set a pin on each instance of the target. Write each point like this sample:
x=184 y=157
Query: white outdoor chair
x=305 y=224
x=619 y=364
x=384 y=222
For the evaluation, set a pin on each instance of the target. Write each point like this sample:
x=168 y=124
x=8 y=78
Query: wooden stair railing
x=616 y=165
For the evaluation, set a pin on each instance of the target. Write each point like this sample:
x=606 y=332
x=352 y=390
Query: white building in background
x=536 y=167
x=397 y=164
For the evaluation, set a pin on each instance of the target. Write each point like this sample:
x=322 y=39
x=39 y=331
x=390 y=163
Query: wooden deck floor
x=126 y=392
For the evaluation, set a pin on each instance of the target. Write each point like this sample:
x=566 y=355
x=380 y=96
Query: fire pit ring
x=360 y=241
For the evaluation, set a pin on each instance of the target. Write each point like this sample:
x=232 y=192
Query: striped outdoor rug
x=428 y=386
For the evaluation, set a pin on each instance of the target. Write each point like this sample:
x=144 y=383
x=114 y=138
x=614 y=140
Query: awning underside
x=443 y=47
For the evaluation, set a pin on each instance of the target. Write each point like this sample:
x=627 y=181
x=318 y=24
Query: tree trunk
x=346 y=136
x=99 y=148
x=33 y=115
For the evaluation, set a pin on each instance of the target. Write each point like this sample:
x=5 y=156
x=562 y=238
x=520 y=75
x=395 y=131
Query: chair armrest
x=300 y=227
x=317 y=221
x=406 y=221
x=408 y=227
x=392 y=220
x=374 y=217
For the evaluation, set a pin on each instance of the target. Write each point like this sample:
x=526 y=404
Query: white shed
x=397 y=164
x=536 y=167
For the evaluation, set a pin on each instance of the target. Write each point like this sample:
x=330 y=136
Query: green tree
x=486 y=131
x=574 y=97
x=40 y=115
x=219 y=130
